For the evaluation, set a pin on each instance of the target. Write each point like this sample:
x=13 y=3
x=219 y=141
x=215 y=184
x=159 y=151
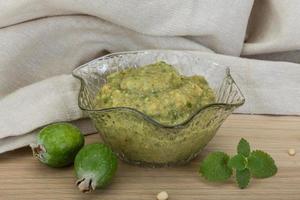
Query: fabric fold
x=45 y=102
x=219 y=25
x=273 y=27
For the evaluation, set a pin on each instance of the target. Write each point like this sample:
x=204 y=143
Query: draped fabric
x=43 y=41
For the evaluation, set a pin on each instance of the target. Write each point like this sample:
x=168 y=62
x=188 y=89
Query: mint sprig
x=243 y=147
x=238 y=162
x=217 y=166
x=261 y=164
x=243 y=178
x=214 y=167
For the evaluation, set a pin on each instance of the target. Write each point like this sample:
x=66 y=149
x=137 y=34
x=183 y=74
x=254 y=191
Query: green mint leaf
x=243 y=178
x=214 y=167
x=238 y=162
x=261 y=164
x=243 y=147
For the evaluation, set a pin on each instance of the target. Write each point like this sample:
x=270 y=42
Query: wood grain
x=22 y=177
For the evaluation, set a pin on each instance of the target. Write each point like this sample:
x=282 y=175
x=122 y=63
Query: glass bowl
x=137 y=138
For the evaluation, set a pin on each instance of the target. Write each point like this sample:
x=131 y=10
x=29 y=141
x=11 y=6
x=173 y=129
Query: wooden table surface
x=22 y=177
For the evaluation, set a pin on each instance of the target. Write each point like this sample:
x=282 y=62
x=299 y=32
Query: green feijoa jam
x=57 y=144
x=95 y=166
x=158 y=90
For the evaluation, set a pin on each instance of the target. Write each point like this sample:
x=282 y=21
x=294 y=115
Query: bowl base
x=157 y=165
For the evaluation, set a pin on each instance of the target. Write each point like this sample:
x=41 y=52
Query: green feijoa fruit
x=57 y=144
x=95 y=166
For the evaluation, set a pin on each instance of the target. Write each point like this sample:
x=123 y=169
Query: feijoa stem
x=38 y=150
x=86 y=185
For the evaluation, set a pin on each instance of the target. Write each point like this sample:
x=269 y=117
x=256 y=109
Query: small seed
x=162 y=195
x=292 y=152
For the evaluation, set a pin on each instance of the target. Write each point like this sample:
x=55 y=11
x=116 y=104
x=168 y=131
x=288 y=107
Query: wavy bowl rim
x=145 y=116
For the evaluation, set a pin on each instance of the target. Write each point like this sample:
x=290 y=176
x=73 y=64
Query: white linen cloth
x=43 y=41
